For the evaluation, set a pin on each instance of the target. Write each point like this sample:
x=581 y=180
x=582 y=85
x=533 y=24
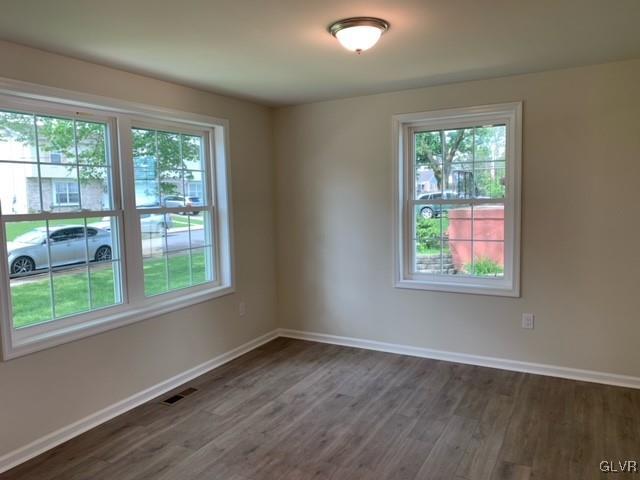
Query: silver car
x=177 y=201
x=150 y=223
x=67 y=245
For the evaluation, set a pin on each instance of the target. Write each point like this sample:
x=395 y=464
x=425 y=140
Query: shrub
x=484 y=267
x=429 y=233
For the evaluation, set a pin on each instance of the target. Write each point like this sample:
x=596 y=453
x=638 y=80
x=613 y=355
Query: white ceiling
x=279 y=52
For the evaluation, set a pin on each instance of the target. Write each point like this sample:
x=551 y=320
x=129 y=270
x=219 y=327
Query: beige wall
x=580 y=259
x=333 y=195
x=42 y=392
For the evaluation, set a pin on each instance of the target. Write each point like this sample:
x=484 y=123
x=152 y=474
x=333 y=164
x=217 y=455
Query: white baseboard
x=501 y=363
x=53 y=439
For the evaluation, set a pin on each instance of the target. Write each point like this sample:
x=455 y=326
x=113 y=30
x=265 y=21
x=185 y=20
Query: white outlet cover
x=528 y=320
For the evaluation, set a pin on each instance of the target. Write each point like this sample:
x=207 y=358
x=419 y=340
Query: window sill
x=29 y=340
x=499 y=288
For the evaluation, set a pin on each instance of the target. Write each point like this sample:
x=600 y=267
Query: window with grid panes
x=99 y=227
x=458 y=200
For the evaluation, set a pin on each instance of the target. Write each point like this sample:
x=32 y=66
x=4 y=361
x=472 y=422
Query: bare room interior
x=341 y=240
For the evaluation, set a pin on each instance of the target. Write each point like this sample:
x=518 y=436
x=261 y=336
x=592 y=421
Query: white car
x=66 y=245
x=150 y=223
x=155 y=223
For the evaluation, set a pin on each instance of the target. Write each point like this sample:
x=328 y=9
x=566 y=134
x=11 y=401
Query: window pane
x=428 y=242
x=201 y=265
x=92 y=143
x=458 y=145
x=146 y=168
x=179 y=257
x=461 y=256
x=17 y=137
x=170 y=169
x=70 y=291
x=31 y=299
x=28 y=261
x=428 y=163
x=459 y=221
x=179 y=267
x=102 y=239
x=459 y=181
x=200 y=229
x=177 y=238
x=194 y=188
x=56 y=140
x=488 y=259
x=488 y=222
x=60 y=188
x=26 y=248
x=153 y=228
x=490 y=143
x=456 y=237
x=19 y=188
x=155 y=275
x=171 y=188
x=105 y=289
x=192 y=152
x=67 y=243
x=77 y=255
x=95 y=188
x=490 y=179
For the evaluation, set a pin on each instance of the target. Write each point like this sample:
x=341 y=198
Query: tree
x=438 y=150
x=167 y=155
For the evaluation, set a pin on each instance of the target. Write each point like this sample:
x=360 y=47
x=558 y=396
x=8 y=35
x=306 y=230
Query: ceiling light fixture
x=358 y=33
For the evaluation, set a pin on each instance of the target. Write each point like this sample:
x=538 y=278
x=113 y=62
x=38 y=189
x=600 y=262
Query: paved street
x=177 y=239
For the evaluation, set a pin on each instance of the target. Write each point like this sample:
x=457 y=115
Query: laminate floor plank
x=299 y=410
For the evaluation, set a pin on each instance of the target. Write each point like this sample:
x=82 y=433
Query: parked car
x=435 y=210
x=67 y=245
x=175 y=201
x=154 y=223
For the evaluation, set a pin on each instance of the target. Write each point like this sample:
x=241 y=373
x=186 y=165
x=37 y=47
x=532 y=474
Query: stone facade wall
x=92 y=196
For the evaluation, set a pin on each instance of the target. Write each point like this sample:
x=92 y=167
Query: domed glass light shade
x=359 y=33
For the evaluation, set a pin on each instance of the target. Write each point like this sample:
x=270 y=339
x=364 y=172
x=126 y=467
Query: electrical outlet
x=528 y=320
x=242 y=309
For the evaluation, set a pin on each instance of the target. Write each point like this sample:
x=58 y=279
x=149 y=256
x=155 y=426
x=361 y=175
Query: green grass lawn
x=428 y=252
x=15 y=229
x=182 y=221
x=31 y=299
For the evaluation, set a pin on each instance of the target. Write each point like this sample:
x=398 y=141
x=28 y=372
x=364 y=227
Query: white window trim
x=511 y=115
x=19 y=342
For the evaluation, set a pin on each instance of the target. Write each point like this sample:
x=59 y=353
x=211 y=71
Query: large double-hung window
x=458 y=200
x=99 y=224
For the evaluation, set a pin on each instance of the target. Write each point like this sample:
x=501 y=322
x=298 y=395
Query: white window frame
x=135 y=306
x=405 y=275
x=56 y=186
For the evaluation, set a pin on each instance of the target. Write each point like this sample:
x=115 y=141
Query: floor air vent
x=178 y=396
